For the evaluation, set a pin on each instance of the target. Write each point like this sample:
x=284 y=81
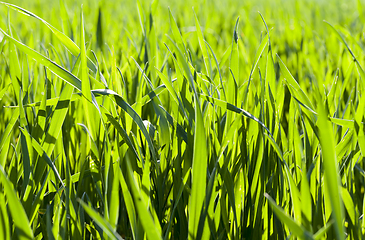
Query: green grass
x=185 y=120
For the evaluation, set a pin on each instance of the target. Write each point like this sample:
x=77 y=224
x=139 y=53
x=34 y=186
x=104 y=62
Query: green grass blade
x=203 y=48
x=320 y=234
x=124 y=134
x=145 y=217
x=85 y=83
x=19 y=216
x=293 y=226
x=42 y=154
x=69 y=44
x=131 y=112
x=100 y=221
x=297 y=91
x=54 y=67
x=331 y=172
x=349 y=204
x=259 y=52
x=234 y=68
x=219 y=71
x=176 y=33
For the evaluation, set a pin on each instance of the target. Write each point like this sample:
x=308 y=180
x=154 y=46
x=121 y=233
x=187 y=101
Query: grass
x=196 y=120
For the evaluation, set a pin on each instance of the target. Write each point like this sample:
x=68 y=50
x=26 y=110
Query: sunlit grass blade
x=259 y=52
x=181 y=189
x=54 y=129
x=200 y=156
x=100 y=221
x=360 y=110
x=14 y=64
x=132 y=113
x=38 y=199
x=54 y=67
x=294 y=86
x=349 y=204
x=330 y=168
x=69 y=44
x=234 y=69
x=5 y=137
x=293 y=226
x=203 y=48
x=128 y=200
x=4 y=223
x=19 y=216
x=320 y=234
x=235 y=109
x=124 y=134
x=145 y=217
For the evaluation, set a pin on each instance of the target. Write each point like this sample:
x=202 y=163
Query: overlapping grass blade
x=132 y=113
x=330 y=174
x=69 y=44
x=149 y=226
x=100 y=221
x=294 y=227
x=19 y=216
x=54 y=67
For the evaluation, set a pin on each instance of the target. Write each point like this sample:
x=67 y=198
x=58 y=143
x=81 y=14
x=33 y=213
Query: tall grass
x=131 y=120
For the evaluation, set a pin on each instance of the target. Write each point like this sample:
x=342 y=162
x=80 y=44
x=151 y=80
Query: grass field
x=184 y=120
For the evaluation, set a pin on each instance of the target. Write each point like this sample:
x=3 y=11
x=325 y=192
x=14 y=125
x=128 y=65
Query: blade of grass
x=331 y=172
x=294 y=227
x=69 y=44
x=19 y=216
x=54 y=67
x=100 y=221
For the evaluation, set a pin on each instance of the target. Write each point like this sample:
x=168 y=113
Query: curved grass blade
x=321 y=232
x=179 y=129
x=93 y=146
x=104 y=224
x=360 y=109
x=54 y=67
x=14 y=64
x=124 y=134
x=4 y=221
x=38 y=199
x=293 y=85
x=344 y=42
x=235 y=109
x=18 y=214
x=54 y=129
x=343 y=122
x=349 y=204
x=259 y=52
x=172 y=91
x=128 y=200
x=4 y=90
x=6 y=135
x=218 y=69
x=77 y=96
x=69 y=44
x=293 y=226
x=43 y=154
x=181 y=188
x=136 y=118
x=149 y=226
